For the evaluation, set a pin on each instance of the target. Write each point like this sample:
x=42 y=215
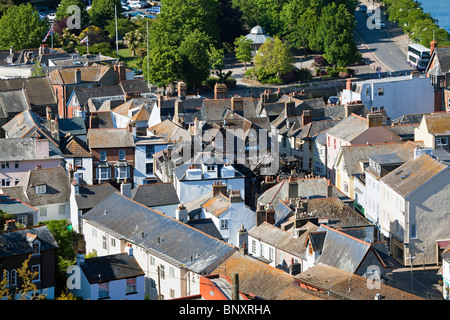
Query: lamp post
x=411 y=258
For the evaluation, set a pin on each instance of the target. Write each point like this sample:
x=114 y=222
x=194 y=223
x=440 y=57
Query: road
x=380 y=43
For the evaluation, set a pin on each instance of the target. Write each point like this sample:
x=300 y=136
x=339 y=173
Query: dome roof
x=257 y=30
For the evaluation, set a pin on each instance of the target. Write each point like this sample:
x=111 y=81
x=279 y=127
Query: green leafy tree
x=194 y=52
x=274 y=58
x=133 y=40
x=94 y=34
x=28 y=287
x=334 y=35
x=243 y=50
x=164 y=66
x=124 y=26
x=61 y=11
x=5 y=5
x=103 y=10
x=216 y=62
x=21 y=28
x=38 y=70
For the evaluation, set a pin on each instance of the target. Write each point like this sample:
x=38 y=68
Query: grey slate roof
x=38 y=89
x=90 y=196
x=76 y=126
x=13 y=101
x=159 y=234
x=57 y=184
x=349 y=128
x=207 y=226
x=342 y=251
x=111 y=267
x=13 y=206
x=16 y=242
x=19 y=149
x=307 y=188
x=155 y=194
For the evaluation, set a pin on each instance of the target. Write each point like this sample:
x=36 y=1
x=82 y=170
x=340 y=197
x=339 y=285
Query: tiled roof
x=349 y=128
x=20 y=149
x=349 y=286
x=217 y=205
x=74 y=147
x=437 y=123
x=170 y=131
x=264 y=281
x=38 y=89
x=88 y=74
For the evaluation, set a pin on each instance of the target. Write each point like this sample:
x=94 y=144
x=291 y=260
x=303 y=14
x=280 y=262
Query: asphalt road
x=381 y=45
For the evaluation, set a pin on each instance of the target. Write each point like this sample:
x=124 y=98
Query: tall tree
x=194 y=51
x=164 y=66
x=334 y=35
x=243 y=50
x=104 y=10
x=21 y=28
x=273 y=58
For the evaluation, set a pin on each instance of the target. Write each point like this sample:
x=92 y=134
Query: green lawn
x=130 y=61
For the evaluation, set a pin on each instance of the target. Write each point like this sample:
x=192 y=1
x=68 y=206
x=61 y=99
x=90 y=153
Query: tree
x=63 y=12
x=273 y=58
x=216 y=57
x=94 y=34
x=334 y=35
x=243 y=50
x=133 y=39
x=5 y=5
x=124 y=26
x=38 y=70
x=27 y=289
x=195 y=57
x=21 y=28
x=103 y=10
x=164 y=66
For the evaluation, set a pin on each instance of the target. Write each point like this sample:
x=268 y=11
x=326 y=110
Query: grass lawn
x=130 y=61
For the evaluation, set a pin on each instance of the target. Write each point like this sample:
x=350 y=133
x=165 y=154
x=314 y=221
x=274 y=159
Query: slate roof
x=155 y=194
x=111 y=267
x=170 y=131
x=110 y=138
x=14 y=206
x=75 y=126
x=342 y=251
x=16 y=242
x=215 y=109
x=352 y=155
x=20 y=149
x=135 y=85
x=206 y=226
x=443 y=60
x=348 y=286
x=83 y=94
x=349 y=128
x=28 y=124
x=90 y=196
x=282 y=239
x=413 y=174
x=88 y=74
x=307 y=188
x=38 y=89
x=101 y=120
x=162 y=236
x=57 y=184
x=13 y=101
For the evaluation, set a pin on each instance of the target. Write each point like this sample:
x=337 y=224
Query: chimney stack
x=260 y=214
x=181 y=214
x=77 y=75
x=433 y=45
x=329 y=189
x=292 y=188
x=125 y=189
x=374 y=119
x=306 y=117
x=235 y=286
x=235 y=196
x=348 y=84
x=270 y=215
x=217 y=187
x=181 y=88
x=129 y=249
x=237 y=105
x=242 y=239
x=289 y=108
x=220 y=91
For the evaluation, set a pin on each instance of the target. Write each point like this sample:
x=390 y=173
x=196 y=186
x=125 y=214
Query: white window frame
x=103 y=155
x=224 y=224
x=41 y=189
x=122 y=172
x=101 y=171
x=122 y=155
x=38 y=277
x=42 y=211
x=131 y=285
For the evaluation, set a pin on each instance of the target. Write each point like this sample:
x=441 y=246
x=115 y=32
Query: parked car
x=126 y=8
x=363 y=8
x=41 y=16
x=136 y=5
x=51 y=16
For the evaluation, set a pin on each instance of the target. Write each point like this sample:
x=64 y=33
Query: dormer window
x=36 y=247
x=41 y=189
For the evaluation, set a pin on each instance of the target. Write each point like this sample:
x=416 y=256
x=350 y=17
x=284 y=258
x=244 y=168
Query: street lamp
x=411 y=260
